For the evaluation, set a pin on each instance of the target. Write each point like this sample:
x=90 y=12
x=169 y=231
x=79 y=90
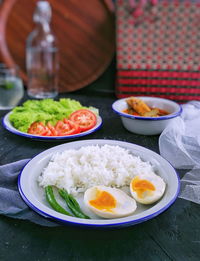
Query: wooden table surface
x=173 y=235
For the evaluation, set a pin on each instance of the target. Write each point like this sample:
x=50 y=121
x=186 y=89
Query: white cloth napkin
x=179 y=143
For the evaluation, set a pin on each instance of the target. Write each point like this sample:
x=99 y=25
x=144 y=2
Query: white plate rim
x=8 y=126
x=118 y=222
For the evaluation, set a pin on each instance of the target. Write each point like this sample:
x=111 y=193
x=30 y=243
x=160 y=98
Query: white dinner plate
x=34 y=195
x=8 y=125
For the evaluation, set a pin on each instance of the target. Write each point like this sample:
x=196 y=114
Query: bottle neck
x=44 y=26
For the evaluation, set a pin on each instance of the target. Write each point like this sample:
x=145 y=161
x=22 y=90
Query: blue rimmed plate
x=34 y=195
x=8 y=125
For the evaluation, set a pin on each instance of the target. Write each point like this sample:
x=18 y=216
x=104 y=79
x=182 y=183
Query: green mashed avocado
x=46 y=110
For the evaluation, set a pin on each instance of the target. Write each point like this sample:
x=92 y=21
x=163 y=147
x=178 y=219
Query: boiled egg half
x=109 y=202
x=147 y=189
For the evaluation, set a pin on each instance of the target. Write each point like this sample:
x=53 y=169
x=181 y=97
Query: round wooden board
x=85 y=32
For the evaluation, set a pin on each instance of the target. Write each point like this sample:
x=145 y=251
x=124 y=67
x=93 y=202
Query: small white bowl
x=148 y=125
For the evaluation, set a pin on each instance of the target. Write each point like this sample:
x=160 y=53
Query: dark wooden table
x=173 y=235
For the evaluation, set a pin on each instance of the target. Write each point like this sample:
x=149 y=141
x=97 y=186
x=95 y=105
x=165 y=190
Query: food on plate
x=72 y=204
x=52 y=201
x=69 y=199
x=103 y=174
x=147 y=189
x=47 y=111
x=66 y=127
x=76 y=170
x=84 y=118
x=138 y=107
x=109 y=202
x=38 y=128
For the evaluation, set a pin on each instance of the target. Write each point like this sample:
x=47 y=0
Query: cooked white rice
x=78 y=170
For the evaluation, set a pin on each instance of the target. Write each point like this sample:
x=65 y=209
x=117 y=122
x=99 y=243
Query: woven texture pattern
x=158 y=49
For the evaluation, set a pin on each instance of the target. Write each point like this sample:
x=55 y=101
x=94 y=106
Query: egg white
x=125 y=205
x=149 y=197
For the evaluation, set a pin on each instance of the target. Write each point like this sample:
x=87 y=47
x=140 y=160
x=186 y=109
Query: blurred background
x=86 y=38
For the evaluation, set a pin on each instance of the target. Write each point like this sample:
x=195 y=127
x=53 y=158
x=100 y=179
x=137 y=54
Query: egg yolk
x=142 y=185
x=104 y=201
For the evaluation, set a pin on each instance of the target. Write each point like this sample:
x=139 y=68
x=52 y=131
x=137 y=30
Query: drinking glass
x=11 y=87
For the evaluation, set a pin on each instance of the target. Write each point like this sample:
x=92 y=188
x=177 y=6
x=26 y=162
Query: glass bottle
x=42 y=55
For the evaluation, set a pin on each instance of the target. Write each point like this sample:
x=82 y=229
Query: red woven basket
x=158 y=49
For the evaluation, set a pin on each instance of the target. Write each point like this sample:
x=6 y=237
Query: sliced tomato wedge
x=52 y=129
x=38 y=128
x=66 y=127
x=86 y=119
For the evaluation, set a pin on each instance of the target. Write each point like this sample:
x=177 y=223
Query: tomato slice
x=79 y=121
x=52 y=129
x=38 y=128
x=48 y=132
x=66 y=127
x=86 y=119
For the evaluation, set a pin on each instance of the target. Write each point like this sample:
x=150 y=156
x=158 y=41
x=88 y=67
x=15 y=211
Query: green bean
x=52 y=201
x=72 y=204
